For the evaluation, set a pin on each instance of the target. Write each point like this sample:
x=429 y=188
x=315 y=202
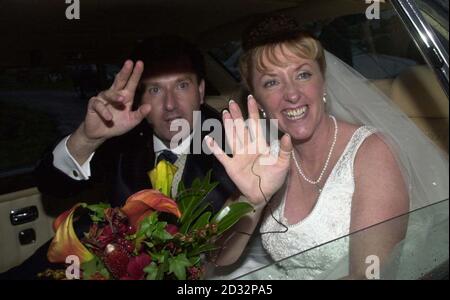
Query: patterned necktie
x=167 y=155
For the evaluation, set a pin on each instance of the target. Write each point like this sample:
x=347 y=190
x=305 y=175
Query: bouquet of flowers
x=134 y=242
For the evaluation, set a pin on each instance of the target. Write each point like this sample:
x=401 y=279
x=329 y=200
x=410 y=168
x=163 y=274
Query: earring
x=324 y=98
x=263 y=114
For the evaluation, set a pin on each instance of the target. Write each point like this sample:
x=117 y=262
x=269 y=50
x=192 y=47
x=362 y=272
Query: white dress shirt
x=64 y=161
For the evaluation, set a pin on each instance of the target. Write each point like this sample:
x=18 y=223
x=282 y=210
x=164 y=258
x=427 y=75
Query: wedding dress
x=329 y=219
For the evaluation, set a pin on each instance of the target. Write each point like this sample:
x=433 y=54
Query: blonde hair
x=302 y=46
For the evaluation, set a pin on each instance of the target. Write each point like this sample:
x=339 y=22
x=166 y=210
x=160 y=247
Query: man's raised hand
x=110 y=112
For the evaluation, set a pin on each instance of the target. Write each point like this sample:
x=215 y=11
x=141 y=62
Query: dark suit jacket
x=121 y=165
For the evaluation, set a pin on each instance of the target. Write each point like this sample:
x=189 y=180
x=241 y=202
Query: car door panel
x=12 y=252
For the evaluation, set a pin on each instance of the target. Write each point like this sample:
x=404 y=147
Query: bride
x=347 y=160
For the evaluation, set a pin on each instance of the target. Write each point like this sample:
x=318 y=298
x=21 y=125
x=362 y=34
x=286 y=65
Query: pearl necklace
x=315 y=182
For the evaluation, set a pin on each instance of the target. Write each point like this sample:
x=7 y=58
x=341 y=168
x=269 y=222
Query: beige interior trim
x=19 y=194
x=418 y=92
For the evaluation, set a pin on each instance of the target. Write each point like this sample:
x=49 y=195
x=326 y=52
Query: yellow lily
x=162 y=176
x=66 y=242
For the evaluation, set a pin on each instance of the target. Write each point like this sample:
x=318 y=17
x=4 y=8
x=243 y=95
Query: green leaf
x=93 y=266
x=178 y=265
x=198 y=211
x=181 y=190
x=203 y=248
x=147 y=225
x=151 y=232
x=202 y=221
x=152 y=271
x=229 y=215
x=192 y=217
x=196 y=184
x=98 y=211
x=146 y=228
x=207 y=177
x=105 y=273
x=190 y=200
x=160 y=232
x=195 y=260
x=138 y=241
x=149 y=244
x=164 y=265
x=160 y=256
x=181 y=187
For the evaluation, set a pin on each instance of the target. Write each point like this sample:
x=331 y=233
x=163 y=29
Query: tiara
x=269 y=30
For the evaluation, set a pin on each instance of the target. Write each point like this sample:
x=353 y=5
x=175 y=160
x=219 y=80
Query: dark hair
x=164 y=54
x=270 y=32
x=269 y=29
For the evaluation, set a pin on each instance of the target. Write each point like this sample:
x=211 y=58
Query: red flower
x=172 y=229
x=135 y=268
x=194 y=273
x=105 y=237
x=116 y=260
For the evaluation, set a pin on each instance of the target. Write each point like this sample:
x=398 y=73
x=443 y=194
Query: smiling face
x=290 y=89
x=172 y=96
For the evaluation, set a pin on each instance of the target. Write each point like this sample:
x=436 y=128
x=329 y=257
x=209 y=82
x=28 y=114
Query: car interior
x=40 y=42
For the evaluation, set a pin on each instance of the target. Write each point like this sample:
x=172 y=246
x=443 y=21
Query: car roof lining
x=109 y=28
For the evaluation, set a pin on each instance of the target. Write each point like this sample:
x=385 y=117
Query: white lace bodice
x=329 y=220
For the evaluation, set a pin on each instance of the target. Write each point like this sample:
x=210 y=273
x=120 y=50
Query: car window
x=40 y=104
x=382 y=51
x=228 y=56
x=378 y=49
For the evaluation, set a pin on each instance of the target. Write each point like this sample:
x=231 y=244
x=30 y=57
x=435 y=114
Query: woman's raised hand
x=110 y=112
x=256 y=171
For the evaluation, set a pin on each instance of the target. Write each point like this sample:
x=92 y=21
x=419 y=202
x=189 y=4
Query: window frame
x=425 y=38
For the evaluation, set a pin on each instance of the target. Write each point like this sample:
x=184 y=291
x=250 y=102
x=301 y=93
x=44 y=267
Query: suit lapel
x=136 y=159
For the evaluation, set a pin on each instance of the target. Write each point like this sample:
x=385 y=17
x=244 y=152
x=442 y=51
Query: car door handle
x=23 y=215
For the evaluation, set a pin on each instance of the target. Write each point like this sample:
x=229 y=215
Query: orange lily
x=66 y=242
x=139 y=204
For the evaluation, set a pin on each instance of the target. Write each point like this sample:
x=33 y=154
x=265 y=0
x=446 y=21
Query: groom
x=127 y=128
